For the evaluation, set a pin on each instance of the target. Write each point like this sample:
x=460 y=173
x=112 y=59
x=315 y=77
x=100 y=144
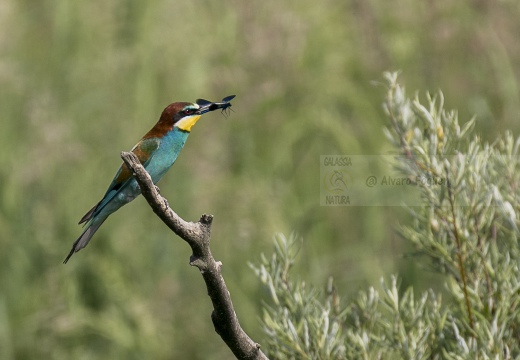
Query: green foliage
x=465 y=229
x=298 y=324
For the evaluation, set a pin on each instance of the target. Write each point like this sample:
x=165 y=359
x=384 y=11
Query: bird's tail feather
x=85 y=237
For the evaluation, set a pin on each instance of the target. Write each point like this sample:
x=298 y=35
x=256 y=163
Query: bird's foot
x=166 y=203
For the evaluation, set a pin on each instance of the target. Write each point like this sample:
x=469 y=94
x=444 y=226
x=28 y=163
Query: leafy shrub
x=465 y=229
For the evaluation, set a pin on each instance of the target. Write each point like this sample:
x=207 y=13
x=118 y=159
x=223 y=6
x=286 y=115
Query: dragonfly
x=224 y=104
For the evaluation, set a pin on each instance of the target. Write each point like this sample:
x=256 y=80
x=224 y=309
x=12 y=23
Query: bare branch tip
x=129 y=158
x=206 y=219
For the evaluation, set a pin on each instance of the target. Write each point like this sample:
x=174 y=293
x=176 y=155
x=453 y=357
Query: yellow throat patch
x=187 y=123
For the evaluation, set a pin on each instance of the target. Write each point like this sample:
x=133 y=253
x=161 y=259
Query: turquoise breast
x=168 y=151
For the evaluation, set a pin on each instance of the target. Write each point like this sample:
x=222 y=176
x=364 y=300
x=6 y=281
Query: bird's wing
x=144 y=151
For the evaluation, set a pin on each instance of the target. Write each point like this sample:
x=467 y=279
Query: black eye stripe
x=188 y=111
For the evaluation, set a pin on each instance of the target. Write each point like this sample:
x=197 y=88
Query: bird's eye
x=188 y=111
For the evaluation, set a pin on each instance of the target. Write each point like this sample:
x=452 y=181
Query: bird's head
x=183 y=115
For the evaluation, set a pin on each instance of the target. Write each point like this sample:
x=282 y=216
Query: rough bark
x=198 y=235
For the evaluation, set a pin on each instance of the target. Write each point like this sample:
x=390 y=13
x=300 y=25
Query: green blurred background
x=82 y=81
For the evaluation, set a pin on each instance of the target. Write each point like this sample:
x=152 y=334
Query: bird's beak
x=204 y=108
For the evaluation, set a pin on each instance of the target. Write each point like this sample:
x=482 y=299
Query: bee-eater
x=157 y=151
